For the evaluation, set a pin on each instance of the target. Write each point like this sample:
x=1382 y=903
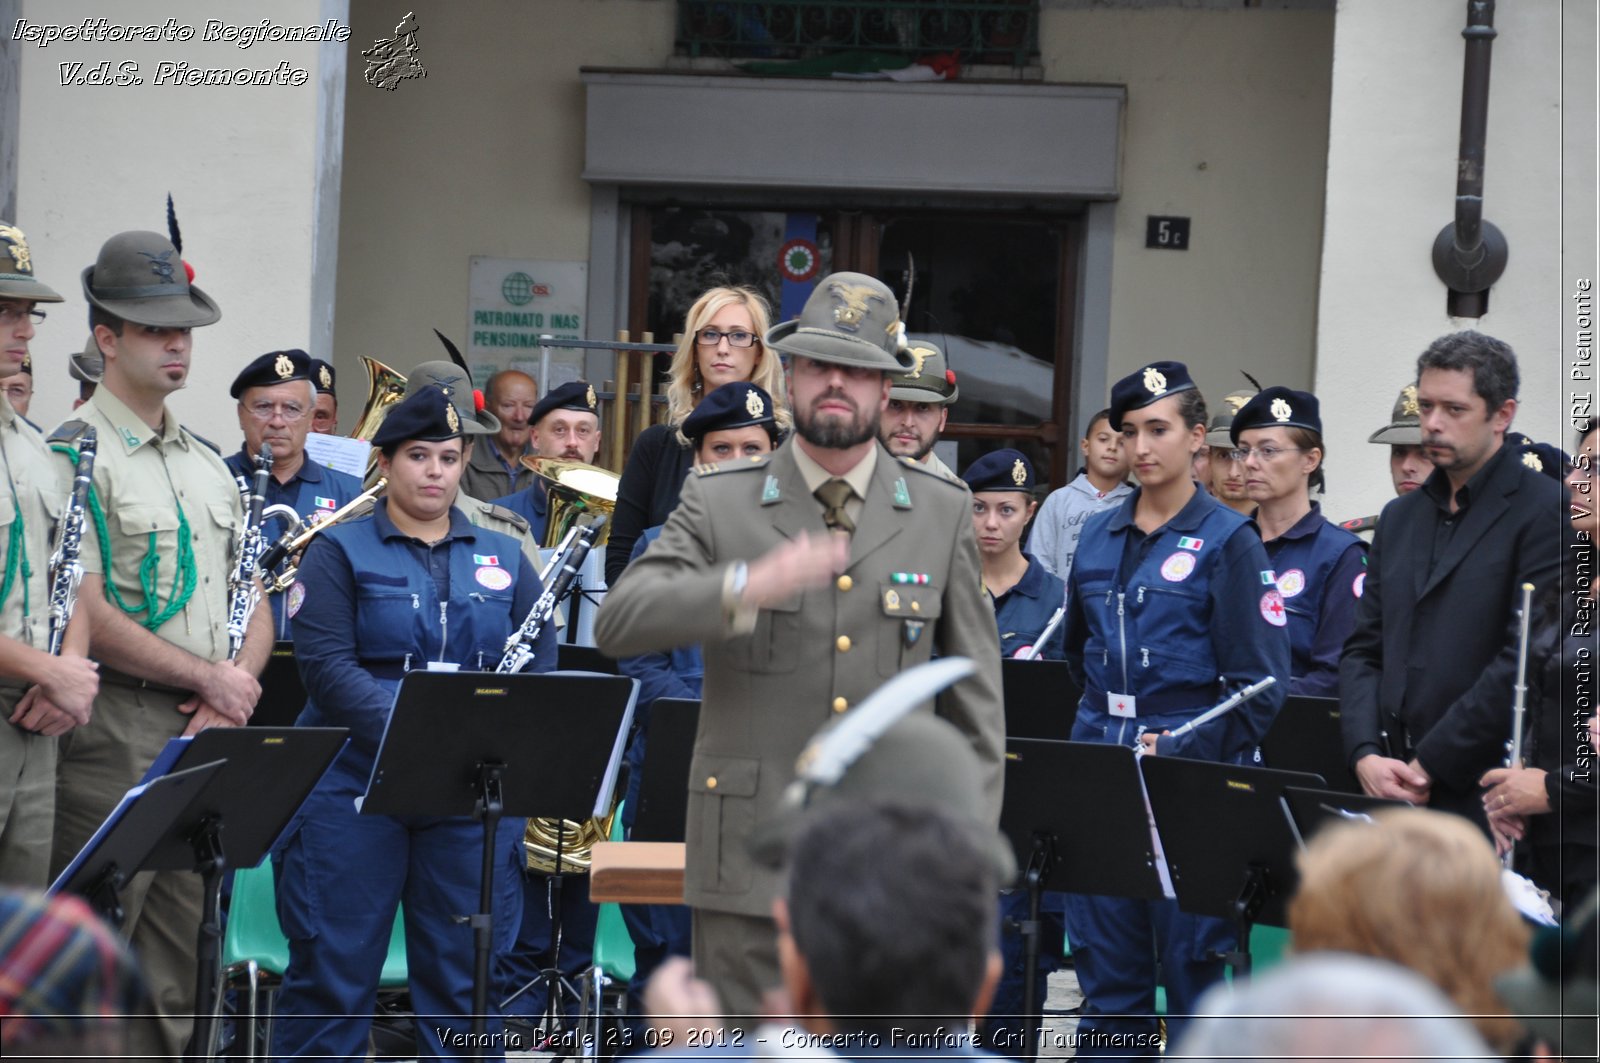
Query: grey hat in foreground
x=1557 y=996
x=454 y=381
x=850 y=319
x=885 y=749
x=16 y=269
x=1217 y=434
x=88 y=365
x=140 y=277
x=930 y=379
x=1405 y=423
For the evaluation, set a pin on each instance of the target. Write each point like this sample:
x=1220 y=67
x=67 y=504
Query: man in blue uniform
x=565 y=424
x=276 y=400
x=1171 y=607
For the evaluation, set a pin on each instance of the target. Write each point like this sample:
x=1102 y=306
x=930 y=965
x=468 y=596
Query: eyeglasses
x=1267 y=453
x=265 y=411
x=10 y=315
x=710 y=337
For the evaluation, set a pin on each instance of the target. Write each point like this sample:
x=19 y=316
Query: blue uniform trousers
x=1117 y=944
x=1006 y=1032
x=340 y=879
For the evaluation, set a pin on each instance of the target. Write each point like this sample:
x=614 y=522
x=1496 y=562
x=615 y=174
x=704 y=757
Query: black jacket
x=1433 y=656
x=647 y=493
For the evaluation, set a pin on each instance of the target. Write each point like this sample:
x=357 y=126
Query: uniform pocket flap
x=724 y=776
x=910 y=601
x=223 y=515
x=143 y=519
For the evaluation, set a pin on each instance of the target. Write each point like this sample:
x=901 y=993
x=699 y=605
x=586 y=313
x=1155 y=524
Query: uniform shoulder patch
x=1359 y=524
x=202 y=440
x=69 y=432
x=510 y=516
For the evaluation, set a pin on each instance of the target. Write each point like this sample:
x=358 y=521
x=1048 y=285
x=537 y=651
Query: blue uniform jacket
x=675 y=674
x=532 y=504
x=311 y=488
x=1176 y=619
x=1025 y=610
x=1320 y=569
x=378 y=603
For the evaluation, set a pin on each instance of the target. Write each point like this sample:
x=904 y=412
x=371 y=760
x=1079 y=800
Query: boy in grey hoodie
x=1102 y=484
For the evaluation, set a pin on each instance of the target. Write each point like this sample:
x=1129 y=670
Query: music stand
x=1305 y=736
x=1311 y=810
x=1069 y=798
x=283 y=695
x=1041 y=698
x=487 y=745
x=664 y=789
x=571 y=657
x=1228 y=844
x=269 y=772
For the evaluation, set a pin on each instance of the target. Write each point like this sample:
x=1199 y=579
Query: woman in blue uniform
x=412 y=586
x=1318 y=565
x=1171 y=607
x=1024 y=593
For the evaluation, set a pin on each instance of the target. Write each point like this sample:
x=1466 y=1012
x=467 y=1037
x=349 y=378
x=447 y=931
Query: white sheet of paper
x=341 y=453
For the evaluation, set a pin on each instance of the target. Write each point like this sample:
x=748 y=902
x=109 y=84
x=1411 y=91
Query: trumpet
x=302 y=530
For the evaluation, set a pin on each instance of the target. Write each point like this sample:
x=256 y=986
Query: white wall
x=238 y=160
x=1393 y=141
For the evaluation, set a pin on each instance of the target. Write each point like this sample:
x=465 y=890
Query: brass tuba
x=385 y=387
x=575 y=490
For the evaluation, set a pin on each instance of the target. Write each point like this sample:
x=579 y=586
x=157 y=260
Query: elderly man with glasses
x=276 y=399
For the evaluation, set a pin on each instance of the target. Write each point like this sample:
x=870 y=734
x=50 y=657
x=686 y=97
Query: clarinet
x=519 y=647
x=66 y=571
x=1519 y=706
x=243 y=593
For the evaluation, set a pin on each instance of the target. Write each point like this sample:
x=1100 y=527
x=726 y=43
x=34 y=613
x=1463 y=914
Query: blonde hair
x=685 y=388
x=1420 y=889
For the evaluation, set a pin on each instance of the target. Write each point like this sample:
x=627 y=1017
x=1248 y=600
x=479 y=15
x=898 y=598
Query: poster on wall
x=512 y=302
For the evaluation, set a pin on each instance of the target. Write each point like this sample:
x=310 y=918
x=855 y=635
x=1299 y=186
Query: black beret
x=27 y=364
x=322 y=376
x=274 y=367
x=577 y=395
x=428 y=415
x=1138 y=390
x=739 y=405
x=1000 y=470
x=1278 y=406
x=1540 y=457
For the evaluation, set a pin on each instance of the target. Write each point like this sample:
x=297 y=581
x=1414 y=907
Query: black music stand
x=664 y=788
x=1064 y=799
x=487 y=745
x=268 y=774
x=570 y=657
x=118 y=849
x=1228 y=844
x=283 y=695
x=1305 y=736
x=1041 y=698
x=1311 y=810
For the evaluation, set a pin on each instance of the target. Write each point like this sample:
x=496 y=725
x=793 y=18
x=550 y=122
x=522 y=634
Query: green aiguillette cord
x=183 y=580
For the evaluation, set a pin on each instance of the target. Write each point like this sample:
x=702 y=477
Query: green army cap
x=139 y=277
x=1405 y=423
x=455 y=382
x=850 y=319
x=1217 y=434
x=88 y=365
x=16 y=269
x=930 y=379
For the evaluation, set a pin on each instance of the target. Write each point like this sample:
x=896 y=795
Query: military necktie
x=834 y=494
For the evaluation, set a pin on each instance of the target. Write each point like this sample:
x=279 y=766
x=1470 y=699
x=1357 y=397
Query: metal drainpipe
x=1470 y=254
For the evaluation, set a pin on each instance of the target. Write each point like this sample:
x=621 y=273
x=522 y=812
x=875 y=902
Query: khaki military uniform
x=498 y=518
x=34 y=494
x=143 y=478
x=913 y=587
x=486 y=477
x=934 y=465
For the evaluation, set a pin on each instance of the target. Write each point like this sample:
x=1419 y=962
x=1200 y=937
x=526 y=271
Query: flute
x=1519 y=704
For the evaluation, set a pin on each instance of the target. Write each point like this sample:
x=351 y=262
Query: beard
x=833 y=432
x=918 y=451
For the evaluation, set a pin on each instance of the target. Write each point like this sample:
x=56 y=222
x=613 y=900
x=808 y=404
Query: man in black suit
x=1426 y=680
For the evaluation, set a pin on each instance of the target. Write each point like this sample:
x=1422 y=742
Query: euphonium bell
x=574 y=489
x=385 y=387
x=576 y=841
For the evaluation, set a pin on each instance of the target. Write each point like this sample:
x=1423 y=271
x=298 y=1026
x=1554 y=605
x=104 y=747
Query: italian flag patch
x=486 y=559
x=326 y=503
x=1186 y=543
x=1269 y=578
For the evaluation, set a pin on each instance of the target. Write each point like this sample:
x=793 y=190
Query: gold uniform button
x=845 y=583
x=711 y=783
x=916 y=607
x=840 y=704
x=843 y=643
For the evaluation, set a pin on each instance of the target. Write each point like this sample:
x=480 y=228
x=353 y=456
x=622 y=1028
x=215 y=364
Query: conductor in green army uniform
x=63 y=687
x=155 y=586
x=809 y=577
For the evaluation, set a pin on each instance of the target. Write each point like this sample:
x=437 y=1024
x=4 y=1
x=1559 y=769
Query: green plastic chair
x=255 y=952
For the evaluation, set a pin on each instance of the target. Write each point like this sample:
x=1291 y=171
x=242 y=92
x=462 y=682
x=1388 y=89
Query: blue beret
x=428 y=415
x=1138 y=390
x=322 y=376
x=740 y=405
x=576 y=395
x=1278 y=406
x=1540 y=457
x=274 y=367
x=1000 y=470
